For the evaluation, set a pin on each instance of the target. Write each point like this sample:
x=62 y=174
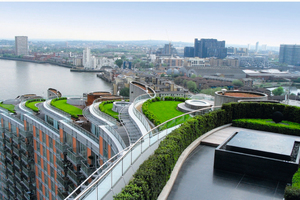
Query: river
x=17 y=78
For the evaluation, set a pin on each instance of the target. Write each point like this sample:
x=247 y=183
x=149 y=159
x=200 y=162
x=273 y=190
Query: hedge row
x=270 y=127
x=153 y=174
x=151 y=116
x=34 y=108
x=260 y=110
x=293 y=192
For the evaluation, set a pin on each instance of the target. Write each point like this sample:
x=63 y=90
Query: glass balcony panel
x=19 y=187
x=60 y=164
x=26 y=196
x=86 y=168
x=17 y=163
x=145 y=143
x=60 y=146
x=10 y=168
x=104 y=186
x=117 y=173
x=126 y=162
x=136 y=151
x=25 y=171
x=18 y=175
x=74 y=158
x=73 y=176
x=9 y=157
x=61 y=193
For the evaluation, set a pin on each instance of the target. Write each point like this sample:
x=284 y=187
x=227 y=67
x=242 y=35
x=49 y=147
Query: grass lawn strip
x=165 y=110
x=32 y=105
x=8 y=107
x=63 y=105
x=108 y=110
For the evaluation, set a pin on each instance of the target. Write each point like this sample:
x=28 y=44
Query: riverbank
x=38 y=62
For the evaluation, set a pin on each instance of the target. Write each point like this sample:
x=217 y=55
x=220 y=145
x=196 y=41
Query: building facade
x=289 y=54
x=205 y=48
x=21 y=45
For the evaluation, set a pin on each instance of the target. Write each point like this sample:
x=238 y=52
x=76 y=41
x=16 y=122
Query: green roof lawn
x=9 y=107
x=107 y=108
x=32 y=105
x=64 y=106
x=165 y=110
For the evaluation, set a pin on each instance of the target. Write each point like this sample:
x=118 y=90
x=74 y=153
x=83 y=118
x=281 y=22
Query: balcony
x=11 y=191
x=1 y=148
x=26 y=159
x=26 y=184
x=16 y=151
x=5 y=194
x=9 y=157
x=18 y=176
x=62 y=180
x=9 y=146
x=19 y=187
x=26 y=196
x=86 y=168
x=16 y=139
x=73 y=157
x=61 y=146
x=25 y=134
x=26 y=172
x=74 y=176
x=8 y=133
x=19 y=196
x=61 y=194
x=60 y=164
x=25 y=147
x=10 y=168
x=11 y=179
x=17 y=163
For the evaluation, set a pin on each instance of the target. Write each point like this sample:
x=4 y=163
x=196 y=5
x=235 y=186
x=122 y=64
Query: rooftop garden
x=159 y=110
x=61 y=103
x=32 y=104
x=9 y=107
x=106 y=107
x=153 y=174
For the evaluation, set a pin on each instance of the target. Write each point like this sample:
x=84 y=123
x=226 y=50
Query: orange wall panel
x=34 y=131
x=25 y=125
x=109 y=151
x=89 y=153
x=61 y=134
x=74 y=145
x=101 y=145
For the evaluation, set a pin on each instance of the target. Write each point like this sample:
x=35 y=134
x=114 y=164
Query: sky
x=270 y=23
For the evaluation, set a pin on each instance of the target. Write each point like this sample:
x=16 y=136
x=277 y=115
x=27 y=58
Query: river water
x=17 y=78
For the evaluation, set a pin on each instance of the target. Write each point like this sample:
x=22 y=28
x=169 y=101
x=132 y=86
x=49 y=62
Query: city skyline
x=241 y=23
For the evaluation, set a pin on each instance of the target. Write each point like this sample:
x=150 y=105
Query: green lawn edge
x=9 y=107
x=61 y=103
x=31 y=104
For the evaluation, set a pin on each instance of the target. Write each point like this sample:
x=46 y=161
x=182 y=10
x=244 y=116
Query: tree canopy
x=191 y=85
x=278 y=91
x=124 y=92
x=238 y=83
x=119 y=62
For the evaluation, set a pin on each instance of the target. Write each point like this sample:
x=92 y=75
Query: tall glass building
x=21 y=45
x=289 y=54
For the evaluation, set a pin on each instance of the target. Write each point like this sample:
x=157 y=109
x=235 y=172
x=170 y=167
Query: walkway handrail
x=117 y=135
x=122 y=123
x=131 y=149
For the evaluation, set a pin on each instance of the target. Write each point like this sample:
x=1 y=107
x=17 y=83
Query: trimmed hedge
x=34 y=108
x=292 y=129
x=154 y=173
x=260 y=110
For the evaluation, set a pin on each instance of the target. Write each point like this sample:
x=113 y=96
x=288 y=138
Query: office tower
x=249 y=47
x=21 y=45
x=188 y=51
x=167 y=50
x=289 y=54
x=205 y=48
x=256 y=47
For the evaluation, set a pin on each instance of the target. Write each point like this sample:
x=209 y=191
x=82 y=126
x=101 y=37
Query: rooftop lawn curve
x=61 y=103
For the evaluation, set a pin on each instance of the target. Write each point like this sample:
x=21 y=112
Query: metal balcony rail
x=61 y=180
x=73 y=176
x=16 y=150
x=26 y=184
x=26 y=196
x=9 y=157
x=19 y=196
x=17 y=163
x=86 y=168
x=25 y=171
x=138 y=114
x=61 y=193
x=8 y=133
x=1 y=148
x=10 y=168
x=25 y=134
x=18 y=175
x=5 y=193
x=116 y=134
x=44 y=123
x=10 y=179
x=11 y=190
x=75 y=158
x=110 y=177
x=71 y=187
x=16 y=140
x=60 y=164
x=61 y=146
x=19 y=187
x=8 y=146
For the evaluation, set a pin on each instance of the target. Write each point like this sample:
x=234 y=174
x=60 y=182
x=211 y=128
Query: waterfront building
x=21 y=45
x=289 y=54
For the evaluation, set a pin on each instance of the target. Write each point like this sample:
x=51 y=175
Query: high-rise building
x=256 y=47
x=289 y=54
x=21 y=45
x=167 y=50
x=86 y=58
x=205 y=48
x=189 y=52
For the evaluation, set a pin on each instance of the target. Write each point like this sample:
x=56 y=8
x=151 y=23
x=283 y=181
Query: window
x=51 y=156
x=50 y=142
x=44 y=152
x=44 y=137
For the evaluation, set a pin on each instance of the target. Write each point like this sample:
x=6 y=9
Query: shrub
x=291 y=193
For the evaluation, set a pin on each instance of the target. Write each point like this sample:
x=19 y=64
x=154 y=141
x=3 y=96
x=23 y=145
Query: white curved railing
x=95 y=107
x=100 y=187
x=47 y=104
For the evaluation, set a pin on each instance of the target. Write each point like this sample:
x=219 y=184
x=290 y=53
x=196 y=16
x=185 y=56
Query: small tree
x=191 y=85
x=193 y=76
x=278 y=91
x=238 y=83
x=124 y=92
x=119 y=62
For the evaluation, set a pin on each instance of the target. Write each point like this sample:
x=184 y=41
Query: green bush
x=291 y=193
x=289 y=128
x=154 y=173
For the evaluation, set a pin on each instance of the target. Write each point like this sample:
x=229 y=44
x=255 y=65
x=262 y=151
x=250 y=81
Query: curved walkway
x=194 y=177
